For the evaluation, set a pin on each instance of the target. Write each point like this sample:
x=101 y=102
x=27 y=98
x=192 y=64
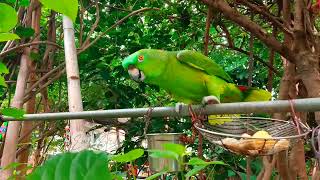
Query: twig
x=30 y=95
x=44 y=78
x=28 y=44
x=82 y=9
x=115 y=25
x=206 y=35
x=267 y=15
x=255 y=57
x=93 y=27
x=251 y=61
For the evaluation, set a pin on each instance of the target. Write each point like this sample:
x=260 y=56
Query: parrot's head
x=145 y=64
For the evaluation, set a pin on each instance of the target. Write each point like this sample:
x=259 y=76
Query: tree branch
x=28 y=44
x=207 y=32
x=93 y=27
x=255 y=57
x=115 y=25
x=252 y=27
x=267 y=15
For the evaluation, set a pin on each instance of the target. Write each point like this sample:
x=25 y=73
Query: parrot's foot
x=210 y=100
x=178 y=107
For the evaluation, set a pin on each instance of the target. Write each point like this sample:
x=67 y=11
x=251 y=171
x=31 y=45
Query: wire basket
x=253 y=136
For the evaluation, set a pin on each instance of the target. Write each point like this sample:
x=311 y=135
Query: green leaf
x=116 y=176
x=24 y=3
x=3 y=82
x=35 y=56
x=177 y=148
x=157 y=174
x=12 y=165
x=8 y=37
x=86 y=164
x=164 y=154
x=3 y=68
x=197 y=161
x=13 y=112
x=129 y=156
x=195 y=170
x=24 y=31
x=68 y=8
x=9 y=17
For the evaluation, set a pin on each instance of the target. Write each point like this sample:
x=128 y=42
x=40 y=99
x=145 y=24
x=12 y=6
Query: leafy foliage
x=177 y=25
x=8 y=21
x=8 y=16
x=13 y=112
x=81 y=165
x=129 y=156
x=68 y=8
x=8 y=37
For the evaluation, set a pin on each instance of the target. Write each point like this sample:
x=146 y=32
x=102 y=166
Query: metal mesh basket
x=240 y=134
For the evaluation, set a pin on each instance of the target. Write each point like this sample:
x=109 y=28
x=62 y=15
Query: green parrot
x=189 y=76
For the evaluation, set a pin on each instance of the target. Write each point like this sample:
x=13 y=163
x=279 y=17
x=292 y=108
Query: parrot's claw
x=210 y=100
x=178 y=107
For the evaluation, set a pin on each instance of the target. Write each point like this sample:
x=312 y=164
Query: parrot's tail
x=221 y=119
x=254 y=94
x=249 y=94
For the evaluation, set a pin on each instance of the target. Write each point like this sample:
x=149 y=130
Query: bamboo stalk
x=79 y=140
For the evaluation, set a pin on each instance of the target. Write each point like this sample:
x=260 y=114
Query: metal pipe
x=300 y=105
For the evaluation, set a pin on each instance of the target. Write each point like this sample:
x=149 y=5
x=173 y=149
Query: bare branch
x=28 y=44
x=252 y=27
x=255 y=57
x=206 y=35
x=93 y=27
x=268 y=16
x=115 y=25
x=33 y=93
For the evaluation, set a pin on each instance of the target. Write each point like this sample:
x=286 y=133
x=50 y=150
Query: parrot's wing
x=202 y=62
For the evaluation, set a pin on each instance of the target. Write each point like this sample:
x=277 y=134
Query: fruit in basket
x=248 y=145
x=259 y=143
x=261 y=134
x=281 y=145
x=263 y=144
x=245 y=135
x=230 y=142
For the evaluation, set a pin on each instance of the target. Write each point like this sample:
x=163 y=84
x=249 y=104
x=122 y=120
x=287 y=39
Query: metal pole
x=300 y=105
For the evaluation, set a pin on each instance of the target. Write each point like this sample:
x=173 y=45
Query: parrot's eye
x=140 y=58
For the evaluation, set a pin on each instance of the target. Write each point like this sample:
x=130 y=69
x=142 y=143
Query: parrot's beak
x=136 y=74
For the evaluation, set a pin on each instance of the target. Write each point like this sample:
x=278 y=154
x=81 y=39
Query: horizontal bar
x=300 y=105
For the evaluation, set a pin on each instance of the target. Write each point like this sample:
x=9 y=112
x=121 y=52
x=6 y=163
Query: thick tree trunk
x=11 y=140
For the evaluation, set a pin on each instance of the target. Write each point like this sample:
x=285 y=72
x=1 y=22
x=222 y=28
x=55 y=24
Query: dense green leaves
x=24 y=31
x=3 y=69
x=86 y=165
x=68 y=8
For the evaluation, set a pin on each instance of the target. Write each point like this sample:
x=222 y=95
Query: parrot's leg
x=214 y=93
x=210 y=100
